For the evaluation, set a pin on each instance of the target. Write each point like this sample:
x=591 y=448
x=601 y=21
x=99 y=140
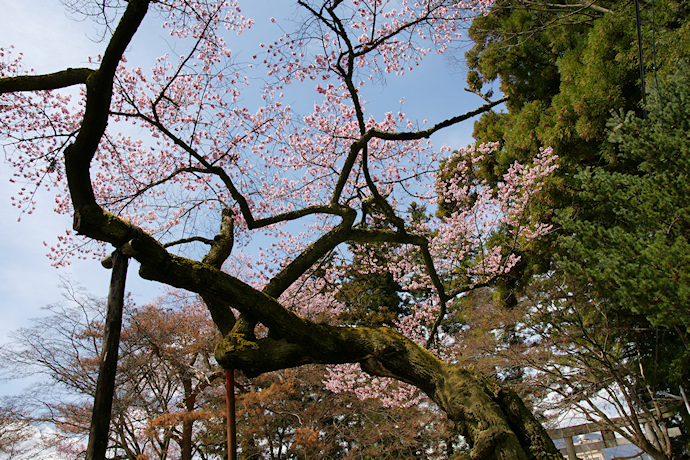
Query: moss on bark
x=492 y=418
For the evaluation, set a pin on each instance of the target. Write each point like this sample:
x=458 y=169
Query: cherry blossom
x=282 y=152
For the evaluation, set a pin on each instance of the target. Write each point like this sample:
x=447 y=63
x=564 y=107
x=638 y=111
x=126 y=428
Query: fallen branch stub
x=107 y=261
x=130 y=248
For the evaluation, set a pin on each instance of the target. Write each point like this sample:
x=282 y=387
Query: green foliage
x=565 y=70
x=369 y=292
x=523 y=62
x=370 y=298
x=612 y=298
x=629 y=244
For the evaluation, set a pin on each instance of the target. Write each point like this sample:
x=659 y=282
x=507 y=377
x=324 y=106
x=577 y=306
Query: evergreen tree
x=608 y=293
x=629 y=243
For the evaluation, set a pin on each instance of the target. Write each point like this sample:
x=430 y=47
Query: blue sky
x=51 y=41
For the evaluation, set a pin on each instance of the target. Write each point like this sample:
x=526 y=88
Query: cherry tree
x=145 y=161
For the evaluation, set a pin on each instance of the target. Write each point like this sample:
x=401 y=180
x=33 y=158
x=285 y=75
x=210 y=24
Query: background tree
x=170 y=401
x=289 y=414
x=629 y=251
x=18 y=439
x=608 y=266
x=165 y=382
x=199 y=153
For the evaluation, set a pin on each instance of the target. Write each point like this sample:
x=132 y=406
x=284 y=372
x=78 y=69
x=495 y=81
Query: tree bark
x=187 y=420
x=492 y=418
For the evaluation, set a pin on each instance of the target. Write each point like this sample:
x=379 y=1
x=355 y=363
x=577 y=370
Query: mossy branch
x=56 y=80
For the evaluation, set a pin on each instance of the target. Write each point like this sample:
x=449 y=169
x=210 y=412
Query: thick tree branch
x=221 y=247
x=491 y=417
x=191 y=239
x=361 y=143
x=388 y=236
x=99 y=88
x=222 y=244
x=415 y=135
x=361 y=235
x=312 y=254
x=56 y=80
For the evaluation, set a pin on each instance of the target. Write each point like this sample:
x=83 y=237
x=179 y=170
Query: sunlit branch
x=345 y=172
x=312 y=254
x=336 y=210
x=438 y=286
x=359 y=235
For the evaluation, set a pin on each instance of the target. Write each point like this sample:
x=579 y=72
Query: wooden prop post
x=230 y=412
x=105 y=386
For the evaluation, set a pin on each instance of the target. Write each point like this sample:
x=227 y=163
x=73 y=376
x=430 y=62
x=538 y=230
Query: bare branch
x=415 y=135
x=192 y=239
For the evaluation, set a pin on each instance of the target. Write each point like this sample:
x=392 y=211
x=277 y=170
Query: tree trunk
x=187 y=421
x=186 y=441
x=492 y=418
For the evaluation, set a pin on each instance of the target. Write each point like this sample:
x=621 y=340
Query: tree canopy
x=198 y=154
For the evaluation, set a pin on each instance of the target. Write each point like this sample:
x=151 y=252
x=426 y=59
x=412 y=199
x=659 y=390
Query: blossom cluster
x=183 y=142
